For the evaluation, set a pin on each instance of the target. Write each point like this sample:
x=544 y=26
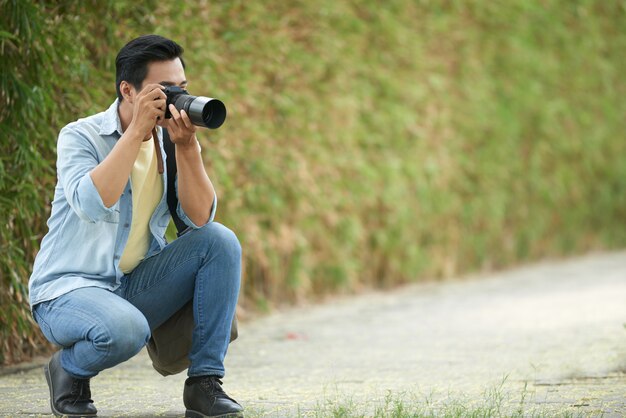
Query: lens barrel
x=203 y=111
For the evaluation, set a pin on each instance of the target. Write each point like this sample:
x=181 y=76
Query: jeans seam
x=199 y=290
x=209 y=372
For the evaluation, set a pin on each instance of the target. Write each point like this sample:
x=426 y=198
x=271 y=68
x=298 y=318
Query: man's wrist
x=192 y=147
x=133 y=134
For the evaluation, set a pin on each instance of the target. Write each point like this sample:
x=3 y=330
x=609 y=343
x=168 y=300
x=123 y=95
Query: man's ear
x=128 y=91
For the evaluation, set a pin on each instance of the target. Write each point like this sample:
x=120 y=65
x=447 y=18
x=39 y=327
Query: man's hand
x=182 y=131
x=148 y=109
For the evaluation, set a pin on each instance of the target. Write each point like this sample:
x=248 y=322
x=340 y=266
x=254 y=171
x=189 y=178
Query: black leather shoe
x=69 y=396
x=204 y=397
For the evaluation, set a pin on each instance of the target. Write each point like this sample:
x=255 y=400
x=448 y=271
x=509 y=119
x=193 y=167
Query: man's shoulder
x=95 y=132
x=95 y=128
x=92 y=122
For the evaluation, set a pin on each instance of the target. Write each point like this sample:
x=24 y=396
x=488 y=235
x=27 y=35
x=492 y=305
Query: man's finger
x=174 y=112
x=153 y=91
x=160 y=104
x=158 y=94
x=152 y=86
x=185 y=118
x=159 y=113
x=170 y=125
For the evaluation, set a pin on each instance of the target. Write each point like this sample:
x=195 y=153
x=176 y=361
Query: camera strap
x=157 y=147
x=172 y=198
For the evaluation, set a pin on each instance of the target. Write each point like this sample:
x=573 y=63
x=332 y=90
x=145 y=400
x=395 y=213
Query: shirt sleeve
x=183 y=216
x=76 y=157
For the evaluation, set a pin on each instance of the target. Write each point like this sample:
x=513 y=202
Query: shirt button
x=126 y=225
x=117 y=257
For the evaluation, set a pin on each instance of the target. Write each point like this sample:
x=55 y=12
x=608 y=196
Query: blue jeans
x=99 y=329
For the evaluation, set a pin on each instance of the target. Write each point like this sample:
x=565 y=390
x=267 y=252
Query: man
x=105 y=276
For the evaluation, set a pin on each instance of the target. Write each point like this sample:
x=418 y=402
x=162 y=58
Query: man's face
x=166 y=73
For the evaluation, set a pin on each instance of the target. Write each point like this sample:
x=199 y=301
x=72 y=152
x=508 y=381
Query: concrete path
x=547 y=338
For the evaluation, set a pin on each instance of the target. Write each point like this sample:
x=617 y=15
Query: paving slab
x=545 y=338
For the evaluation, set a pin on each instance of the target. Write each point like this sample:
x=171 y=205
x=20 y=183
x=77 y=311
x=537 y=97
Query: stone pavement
x=547 y=338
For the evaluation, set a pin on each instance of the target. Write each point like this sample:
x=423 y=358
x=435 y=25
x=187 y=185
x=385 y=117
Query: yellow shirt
x=147 y=187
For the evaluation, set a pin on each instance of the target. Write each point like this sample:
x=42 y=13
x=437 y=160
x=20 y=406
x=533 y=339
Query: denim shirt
x=85 y=239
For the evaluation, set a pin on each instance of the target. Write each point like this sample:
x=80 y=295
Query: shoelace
x=81 y=391
x=213 y=386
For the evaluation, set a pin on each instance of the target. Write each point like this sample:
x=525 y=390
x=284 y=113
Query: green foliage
x=24 y=162
x=366 y=143
x=49 y=53
x=375 y=144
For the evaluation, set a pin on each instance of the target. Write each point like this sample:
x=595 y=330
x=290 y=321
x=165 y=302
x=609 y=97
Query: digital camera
x=203 y=111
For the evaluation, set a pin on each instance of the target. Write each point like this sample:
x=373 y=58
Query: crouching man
x=105 y=277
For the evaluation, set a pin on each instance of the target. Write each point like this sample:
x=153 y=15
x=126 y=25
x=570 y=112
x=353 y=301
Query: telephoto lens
x=203 y=111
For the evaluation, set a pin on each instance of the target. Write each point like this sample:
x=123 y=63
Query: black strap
x=172 y=198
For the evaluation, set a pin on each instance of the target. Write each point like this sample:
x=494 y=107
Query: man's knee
x=123 y=338
x=221 y=240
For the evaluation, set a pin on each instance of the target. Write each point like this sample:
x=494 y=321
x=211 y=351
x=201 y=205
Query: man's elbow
x=198 y=215
x=200 y=220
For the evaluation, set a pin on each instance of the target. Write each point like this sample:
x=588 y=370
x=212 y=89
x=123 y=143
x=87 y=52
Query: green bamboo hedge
x=367 y=143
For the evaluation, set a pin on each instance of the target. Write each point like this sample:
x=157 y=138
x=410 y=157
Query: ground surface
x=544 y=338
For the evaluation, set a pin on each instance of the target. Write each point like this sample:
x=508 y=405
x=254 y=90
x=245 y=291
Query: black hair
x=131 y=63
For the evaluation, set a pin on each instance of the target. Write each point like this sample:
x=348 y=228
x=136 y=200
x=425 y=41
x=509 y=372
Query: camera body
x=203 y=111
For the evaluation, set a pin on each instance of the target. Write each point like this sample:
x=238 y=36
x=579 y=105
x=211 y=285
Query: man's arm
x=195 y=190
x=111 y=175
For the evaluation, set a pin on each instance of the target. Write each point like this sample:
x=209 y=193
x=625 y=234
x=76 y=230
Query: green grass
x=494 y=403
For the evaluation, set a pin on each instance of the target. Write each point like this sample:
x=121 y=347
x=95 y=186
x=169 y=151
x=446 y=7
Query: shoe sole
x=195 y=414
x=46 y=371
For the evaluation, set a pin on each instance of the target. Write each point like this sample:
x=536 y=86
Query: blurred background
x=368 y=144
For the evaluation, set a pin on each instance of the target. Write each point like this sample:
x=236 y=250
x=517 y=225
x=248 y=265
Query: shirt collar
x=111 y=122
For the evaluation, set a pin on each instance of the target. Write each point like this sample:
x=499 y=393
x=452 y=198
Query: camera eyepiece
x=203 y=111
